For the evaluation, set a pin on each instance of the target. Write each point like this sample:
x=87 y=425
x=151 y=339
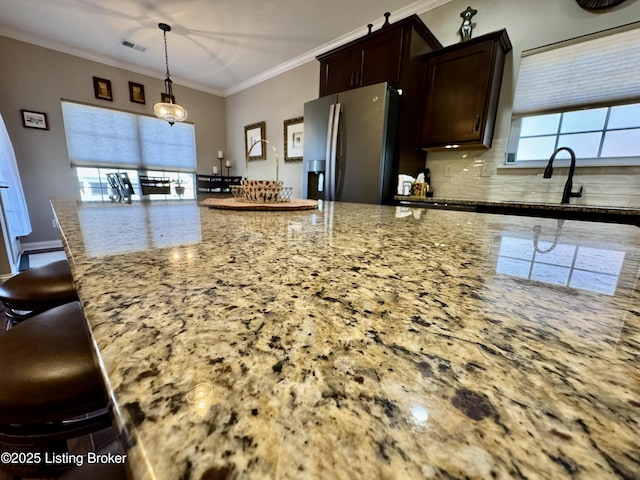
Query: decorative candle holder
x=227 y=166
x=220 y=158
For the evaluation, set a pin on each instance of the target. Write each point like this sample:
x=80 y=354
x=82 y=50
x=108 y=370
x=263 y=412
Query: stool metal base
x=33 y=446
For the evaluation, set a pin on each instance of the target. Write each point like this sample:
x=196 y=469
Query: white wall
x=273 y=101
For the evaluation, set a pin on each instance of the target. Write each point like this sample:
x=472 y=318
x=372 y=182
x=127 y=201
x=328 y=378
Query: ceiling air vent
x=127 y=43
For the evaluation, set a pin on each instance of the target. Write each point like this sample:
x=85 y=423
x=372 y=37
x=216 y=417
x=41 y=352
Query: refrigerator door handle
x=332 y=176
x=328 y=166
x=329 y=132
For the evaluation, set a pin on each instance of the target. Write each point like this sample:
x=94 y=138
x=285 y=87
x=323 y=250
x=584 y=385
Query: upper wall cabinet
x=392 y=54
x=374 y=60
x=381 y=56
x=461 y=92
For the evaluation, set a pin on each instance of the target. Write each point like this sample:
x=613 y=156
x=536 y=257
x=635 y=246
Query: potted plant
x=179 y=187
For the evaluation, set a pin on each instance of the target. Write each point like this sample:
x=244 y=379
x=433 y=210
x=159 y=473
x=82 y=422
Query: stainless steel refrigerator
x=349 y=145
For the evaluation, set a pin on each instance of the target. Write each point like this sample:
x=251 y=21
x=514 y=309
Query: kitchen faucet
x=548 y=172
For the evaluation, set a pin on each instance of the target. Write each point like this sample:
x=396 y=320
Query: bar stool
x=99 y=471
x=51 y=389
x=36 y=290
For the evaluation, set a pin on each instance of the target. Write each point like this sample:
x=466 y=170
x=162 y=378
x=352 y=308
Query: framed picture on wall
x=254 y=133
x=34 y=120
x=293 y=139
x=136 y=92
x=102 y=89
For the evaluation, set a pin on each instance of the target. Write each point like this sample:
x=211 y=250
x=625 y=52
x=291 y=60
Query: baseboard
x=41 y=246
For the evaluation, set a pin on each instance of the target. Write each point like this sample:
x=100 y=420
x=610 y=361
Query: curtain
x=13 y=201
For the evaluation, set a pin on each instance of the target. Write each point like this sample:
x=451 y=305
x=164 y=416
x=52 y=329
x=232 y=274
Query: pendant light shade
x=168 y=110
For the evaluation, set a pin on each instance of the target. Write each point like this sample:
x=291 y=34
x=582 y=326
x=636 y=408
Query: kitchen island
x=361 y=341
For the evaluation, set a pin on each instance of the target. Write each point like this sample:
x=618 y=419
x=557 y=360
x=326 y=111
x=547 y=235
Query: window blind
x=167 y=147
x=599 y=71
x=104 y=137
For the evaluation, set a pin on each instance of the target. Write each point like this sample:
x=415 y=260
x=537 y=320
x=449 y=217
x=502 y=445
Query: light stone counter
x=362 y=341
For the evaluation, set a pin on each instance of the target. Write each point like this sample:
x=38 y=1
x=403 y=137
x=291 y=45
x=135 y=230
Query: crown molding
x=76 y=52
x=417 y=8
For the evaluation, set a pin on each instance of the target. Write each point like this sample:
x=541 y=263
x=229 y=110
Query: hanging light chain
x=166 y=51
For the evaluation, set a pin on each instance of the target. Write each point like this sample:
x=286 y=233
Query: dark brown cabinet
x=461 y=92
x=374 y=60
x=392 y=54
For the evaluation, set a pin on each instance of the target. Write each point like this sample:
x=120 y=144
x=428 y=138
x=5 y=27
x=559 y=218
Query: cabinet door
x=381 y=59
x=339 y=72
x=457 y=90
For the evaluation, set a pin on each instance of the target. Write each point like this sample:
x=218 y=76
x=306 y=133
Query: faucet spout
x=548 y=172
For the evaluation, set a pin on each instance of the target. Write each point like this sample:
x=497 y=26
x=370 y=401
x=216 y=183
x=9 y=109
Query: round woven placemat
x=235 y=204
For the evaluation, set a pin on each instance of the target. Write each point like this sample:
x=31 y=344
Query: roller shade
x=598 y=71
x=104 y=137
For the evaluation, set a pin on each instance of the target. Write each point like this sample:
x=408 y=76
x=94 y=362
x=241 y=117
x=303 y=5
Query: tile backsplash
x=480 y=175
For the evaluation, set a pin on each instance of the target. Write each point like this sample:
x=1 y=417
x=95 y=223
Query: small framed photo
x=293 y=139
x=254 y=133
x=136 y=92
x=166 y=98
x=34 y=120
x=102 y=88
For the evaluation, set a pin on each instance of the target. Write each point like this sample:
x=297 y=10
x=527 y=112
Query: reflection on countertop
x=609 y=214
x=548 y=259
x=362 y=341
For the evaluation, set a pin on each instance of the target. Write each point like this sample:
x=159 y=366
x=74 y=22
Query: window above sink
x=582 y=94
x=599 y=136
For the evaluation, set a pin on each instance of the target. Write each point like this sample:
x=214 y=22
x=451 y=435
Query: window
x=94 y=186
x=102 y=141
x=583 y=94
x=597 y=133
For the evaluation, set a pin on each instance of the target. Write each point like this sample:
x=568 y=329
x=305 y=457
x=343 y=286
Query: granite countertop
x=361 y=341
x=629 y=215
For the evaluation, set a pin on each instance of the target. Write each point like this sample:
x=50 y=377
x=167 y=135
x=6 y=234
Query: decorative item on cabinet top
x=467 y=27
x=461 y=92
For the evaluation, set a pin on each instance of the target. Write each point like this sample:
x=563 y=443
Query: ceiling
x=218 y=46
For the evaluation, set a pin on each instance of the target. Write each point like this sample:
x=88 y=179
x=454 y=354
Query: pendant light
x=169 y=111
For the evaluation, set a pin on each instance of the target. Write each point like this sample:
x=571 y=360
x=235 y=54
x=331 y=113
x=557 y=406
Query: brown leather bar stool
x=36 y=290
x=51 y=389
